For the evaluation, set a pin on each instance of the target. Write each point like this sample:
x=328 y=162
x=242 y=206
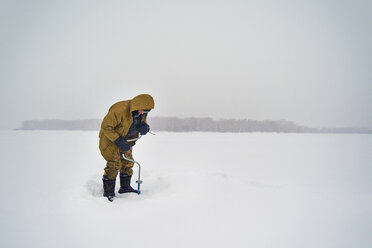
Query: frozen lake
x=199 y=190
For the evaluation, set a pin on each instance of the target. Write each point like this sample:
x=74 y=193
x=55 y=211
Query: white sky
x=305 y=61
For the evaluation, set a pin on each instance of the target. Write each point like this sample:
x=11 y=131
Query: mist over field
x=303 y=61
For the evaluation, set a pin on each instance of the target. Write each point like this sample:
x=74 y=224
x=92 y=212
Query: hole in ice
x=94 y=187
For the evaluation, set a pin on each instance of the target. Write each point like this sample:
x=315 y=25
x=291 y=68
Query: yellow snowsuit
x=115 y=124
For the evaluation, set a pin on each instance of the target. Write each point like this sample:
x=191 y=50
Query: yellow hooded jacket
x=119 y=119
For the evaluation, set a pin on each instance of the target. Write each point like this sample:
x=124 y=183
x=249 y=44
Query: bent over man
x=124 y=121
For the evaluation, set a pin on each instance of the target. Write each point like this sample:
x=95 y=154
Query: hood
x=143 y=101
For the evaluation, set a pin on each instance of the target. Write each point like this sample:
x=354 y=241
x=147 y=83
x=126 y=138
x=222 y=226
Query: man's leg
x=113 y=166
x=110 y=172
x=126 y=173
x=125 y=165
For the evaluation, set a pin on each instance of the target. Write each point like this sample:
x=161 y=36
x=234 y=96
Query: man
x=124 y=120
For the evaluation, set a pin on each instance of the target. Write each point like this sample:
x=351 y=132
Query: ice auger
x=139 y=166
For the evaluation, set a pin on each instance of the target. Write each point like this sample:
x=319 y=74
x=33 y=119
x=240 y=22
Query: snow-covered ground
x=199 y=190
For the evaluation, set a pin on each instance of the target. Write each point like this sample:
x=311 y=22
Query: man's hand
x=143 y=128
x=122 y=144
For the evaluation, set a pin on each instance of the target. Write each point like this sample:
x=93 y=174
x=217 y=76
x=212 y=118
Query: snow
x=199 y=190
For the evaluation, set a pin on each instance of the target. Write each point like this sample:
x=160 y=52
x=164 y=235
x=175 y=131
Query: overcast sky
x=305 y=61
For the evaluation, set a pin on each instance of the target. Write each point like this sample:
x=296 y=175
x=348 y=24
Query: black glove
x=143 y=128
x=122 y=144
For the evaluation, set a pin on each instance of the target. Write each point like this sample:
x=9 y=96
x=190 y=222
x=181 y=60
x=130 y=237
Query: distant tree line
x=175 y=124
x=89 y=124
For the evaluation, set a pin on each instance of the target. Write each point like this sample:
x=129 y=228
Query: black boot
x=108 y=188
x=125 y=184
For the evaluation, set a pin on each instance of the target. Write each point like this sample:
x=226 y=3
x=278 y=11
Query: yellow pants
x=115 y=161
